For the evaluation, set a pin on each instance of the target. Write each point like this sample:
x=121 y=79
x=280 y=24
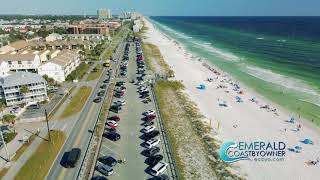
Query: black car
x=103 y=86
x=108 y=160
x=153 y=160
x=101 y=93
x=97 y=100
x=144 y=96
x=99 y=178
x=73 y=157
x=148 y=123
x=112 y=136
x=106 y=81
x=115 y=109
x=161 y=177
x=151 y=134
x=152 y=151
x=144 y=92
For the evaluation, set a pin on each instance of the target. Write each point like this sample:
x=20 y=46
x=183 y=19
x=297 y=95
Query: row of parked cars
x=107 y=163
x=125 y=61
x=150 y=133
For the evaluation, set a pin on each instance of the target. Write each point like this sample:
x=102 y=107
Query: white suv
x=159 y=168
x=152 y=142
x=148 y=129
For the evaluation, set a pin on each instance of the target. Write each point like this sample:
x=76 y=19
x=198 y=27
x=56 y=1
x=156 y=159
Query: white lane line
x=104 y=146
x=64 y=127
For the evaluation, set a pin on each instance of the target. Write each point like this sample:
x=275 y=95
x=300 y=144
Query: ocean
x=278 y=57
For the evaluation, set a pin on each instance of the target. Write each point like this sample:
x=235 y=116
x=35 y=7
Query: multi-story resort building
x=21 y=62
x=59 y=67
x=12 y=83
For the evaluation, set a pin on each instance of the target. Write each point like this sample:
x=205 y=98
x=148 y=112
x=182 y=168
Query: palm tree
x=24 y=89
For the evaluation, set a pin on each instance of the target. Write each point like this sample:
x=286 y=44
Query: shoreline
x=246 y=119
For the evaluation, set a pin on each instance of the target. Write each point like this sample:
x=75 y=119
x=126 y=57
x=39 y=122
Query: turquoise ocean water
x=278 y=57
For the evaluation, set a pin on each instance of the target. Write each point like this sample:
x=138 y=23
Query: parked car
x=101 y=93
x=151 y=135
x=34 y=106
x=152 y=151
x=114 y=118
x=152 y=142
x=112 y=136
x=105 y=169
x=159 y=168
x=149 y=118
x=161 y=177
x=99 y=178
x=153 y=160
x=112 y=123
x=73 y=157
x=97 y=100
x=108 y=160
x=115 y=109
x=149 y=113
x=104 y=86
x=120 y=102
x=148 y=123
x=148 y=129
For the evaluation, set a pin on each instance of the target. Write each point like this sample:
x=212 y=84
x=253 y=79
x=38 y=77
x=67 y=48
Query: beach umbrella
x=298 y=148
x=307 y=141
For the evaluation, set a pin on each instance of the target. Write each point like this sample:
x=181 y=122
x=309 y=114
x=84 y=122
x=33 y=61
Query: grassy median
x=56 y=108
x=95 y=73
x=38 y=165
x=77 y=102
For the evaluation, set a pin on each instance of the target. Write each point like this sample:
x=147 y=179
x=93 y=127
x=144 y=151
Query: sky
x=166 y=7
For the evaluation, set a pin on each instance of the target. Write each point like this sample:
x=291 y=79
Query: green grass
x=95 y=74
x=23 y=148
x=79 y=72
x=152 y=51
x=38 y=165
x=3 y=172
x=60 y=103
x=77 y=102
x=190 y=114
x=9 y=136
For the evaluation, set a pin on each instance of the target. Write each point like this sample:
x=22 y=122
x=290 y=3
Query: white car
x=159 y=168
x=148 y=129
x=149 y=113
x=152 y=142
x=112 y=123
x=120 y=102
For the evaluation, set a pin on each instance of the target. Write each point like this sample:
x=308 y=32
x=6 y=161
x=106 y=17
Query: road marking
x=64 y=127
x=61 y=175
x=112 y=150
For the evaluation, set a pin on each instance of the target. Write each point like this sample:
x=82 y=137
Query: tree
x=8 y=118
x=24 y=89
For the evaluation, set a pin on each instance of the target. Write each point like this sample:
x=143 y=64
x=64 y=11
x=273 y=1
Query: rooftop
x=20 y=78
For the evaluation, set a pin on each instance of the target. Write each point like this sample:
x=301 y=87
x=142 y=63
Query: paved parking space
x=129 y=147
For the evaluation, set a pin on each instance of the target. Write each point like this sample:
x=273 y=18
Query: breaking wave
x=304 y=91
x=220 y=53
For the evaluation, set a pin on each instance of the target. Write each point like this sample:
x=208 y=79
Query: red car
x=149 y=118
x=114 y=118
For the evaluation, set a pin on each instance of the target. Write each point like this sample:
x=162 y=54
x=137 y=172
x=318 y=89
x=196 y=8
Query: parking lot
x=128 y=149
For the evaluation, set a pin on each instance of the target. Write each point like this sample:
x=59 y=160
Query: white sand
x=241 y=121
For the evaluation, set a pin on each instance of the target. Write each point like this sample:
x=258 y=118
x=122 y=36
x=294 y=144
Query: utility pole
x=45 y=111
x=5 y=145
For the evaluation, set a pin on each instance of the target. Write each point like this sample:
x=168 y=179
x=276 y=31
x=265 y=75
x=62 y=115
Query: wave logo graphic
x=224 y=152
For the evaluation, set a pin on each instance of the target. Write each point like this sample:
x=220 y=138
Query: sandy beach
x=239 y=114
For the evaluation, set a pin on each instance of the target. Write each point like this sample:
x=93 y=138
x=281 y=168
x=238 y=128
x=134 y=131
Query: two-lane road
x=81 y=133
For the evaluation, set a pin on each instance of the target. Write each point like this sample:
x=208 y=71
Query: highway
x=82 y=130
